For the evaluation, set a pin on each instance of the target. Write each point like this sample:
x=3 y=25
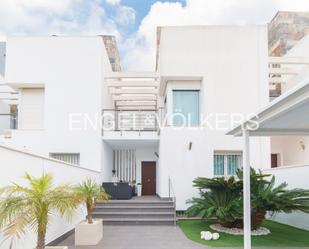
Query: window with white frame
x=72 y=158
x=226 y=163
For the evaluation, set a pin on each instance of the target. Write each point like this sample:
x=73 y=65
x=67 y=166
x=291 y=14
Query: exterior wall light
x=302 y=145
x=190 y=145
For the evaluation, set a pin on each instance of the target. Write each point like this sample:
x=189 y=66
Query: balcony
x=130 y=121
x=135 y=97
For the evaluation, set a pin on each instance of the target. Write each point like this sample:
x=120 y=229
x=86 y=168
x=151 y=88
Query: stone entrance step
x=136 y=212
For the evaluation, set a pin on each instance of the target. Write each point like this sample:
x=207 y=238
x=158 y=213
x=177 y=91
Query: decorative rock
x=203 y=234
x=207 y=235
x=215 y=236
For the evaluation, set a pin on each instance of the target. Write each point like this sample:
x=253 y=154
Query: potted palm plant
x=32 y=206
x=90 y=231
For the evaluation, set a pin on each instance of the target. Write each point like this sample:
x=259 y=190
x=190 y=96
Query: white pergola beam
x=134 y=97
x=135 y=103
x=132 y=91
x=141 y=75
x=10 y=102
x=288 y=60
x=136 y=108
x=283 y=71
x=132 y=83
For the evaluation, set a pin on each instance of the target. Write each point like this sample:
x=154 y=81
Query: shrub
x=221 y=199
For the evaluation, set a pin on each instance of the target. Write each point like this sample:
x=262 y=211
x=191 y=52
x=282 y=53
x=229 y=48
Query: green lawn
x=281 y=235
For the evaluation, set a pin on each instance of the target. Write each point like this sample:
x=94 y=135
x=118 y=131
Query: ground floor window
x=226 y=163
x=72 y=158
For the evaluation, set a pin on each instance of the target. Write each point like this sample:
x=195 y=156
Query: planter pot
x=88 y=234
x=139 y=190
x=257 y=218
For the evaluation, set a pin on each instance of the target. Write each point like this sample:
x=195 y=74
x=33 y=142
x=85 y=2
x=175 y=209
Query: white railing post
x=246 y=190
x=169 y=187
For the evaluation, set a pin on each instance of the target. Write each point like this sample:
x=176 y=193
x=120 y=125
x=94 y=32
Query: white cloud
x=125 y=15
x=140 y=47
x=113 y=2
x=45 y=17
x=58 y=6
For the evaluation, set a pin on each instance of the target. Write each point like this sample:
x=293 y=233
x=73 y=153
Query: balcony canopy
x=133 y=90
x=286 y=115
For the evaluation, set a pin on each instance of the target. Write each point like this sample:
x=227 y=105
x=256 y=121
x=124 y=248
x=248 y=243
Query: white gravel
x=237 y=231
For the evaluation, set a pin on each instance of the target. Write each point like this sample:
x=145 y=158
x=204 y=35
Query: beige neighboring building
x=284 y=31
x=112 y=52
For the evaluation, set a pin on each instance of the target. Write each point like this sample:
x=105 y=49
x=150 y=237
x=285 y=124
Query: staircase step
x=132 y=206
x=136 y=203
x=134 y=209
x=134 y=214
x=138 y=221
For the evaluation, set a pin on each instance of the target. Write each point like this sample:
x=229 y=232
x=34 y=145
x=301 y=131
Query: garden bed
x=281 y=235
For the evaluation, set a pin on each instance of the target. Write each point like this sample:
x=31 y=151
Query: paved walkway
x=142 y=237
x=139 y=237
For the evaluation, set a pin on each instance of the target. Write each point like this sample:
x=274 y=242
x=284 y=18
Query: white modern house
x=65 y=82
x=78 y=118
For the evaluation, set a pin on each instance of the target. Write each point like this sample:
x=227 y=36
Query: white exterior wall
x=2 y=58
x=294 y=176
x=71 y=70
x=233 y=64
x=16 y=163
x=290 y=150
x=107 y=162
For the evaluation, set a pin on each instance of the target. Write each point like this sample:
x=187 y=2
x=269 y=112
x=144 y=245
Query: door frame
x=155 y=177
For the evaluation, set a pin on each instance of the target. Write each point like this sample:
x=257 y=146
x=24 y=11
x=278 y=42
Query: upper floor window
x=227 y=163
x=186 y=107
x=31 y=108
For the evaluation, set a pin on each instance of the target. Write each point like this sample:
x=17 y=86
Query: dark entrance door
x=148 y=178
x=274 y=160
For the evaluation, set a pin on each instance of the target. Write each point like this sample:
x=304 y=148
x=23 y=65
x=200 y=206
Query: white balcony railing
x=7 y=122
x=130 y=120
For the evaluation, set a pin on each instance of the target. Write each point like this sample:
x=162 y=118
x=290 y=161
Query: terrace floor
x=142 y=237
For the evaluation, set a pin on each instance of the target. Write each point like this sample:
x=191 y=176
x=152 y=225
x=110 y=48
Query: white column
x=246 y=191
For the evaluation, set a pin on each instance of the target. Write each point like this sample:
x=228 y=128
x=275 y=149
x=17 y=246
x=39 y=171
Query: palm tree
x=89 y=191
x=34 y=205
x=221 y=199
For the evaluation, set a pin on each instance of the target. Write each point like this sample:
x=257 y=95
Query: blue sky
x=141 y=7
x=133 y=22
